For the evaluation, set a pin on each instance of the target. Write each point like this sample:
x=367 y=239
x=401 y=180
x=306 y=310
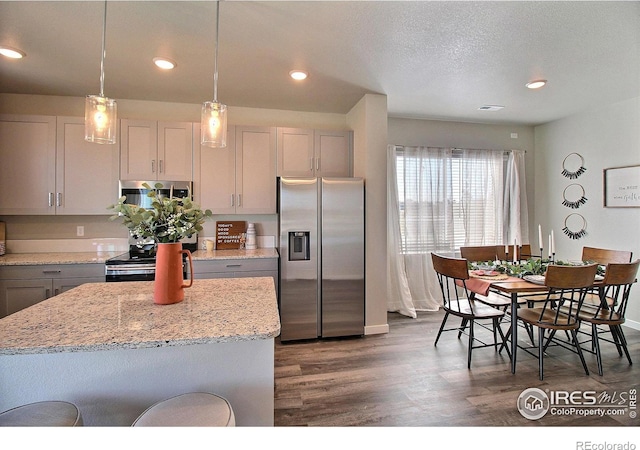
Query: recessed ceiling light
x=490 y=108
x=164 y=63
x=13 y=53
x=536 y=84
x=298 y=74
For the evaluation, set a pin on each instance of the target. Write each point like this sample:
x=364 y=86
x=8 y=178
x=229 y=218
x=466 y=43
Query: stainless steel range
x=138 y=264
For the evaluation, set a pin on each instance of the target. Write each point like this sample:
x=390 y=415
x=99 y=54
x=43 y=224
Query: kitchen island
x=110 y=350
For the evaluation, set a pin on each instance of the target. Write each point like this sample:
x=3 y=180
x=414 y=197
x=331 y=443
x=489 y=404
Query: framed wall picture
x=622 y=187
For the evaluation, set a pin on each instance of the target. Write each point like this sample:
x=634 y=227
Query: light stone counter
x=34 y=259
x=104 y=316
x=204 y=255
x=107 y=348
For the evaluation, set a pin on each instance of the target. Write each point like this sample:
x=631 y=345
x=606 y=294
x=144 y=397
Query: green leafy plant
x=168 y=220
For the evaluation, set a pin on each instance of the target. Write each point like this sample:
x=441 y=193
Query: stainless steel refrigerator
x=321 y=243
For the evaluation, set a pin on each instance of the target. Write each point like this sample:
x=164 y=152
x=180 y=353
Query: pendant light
x=213 y=121
x=100 y=112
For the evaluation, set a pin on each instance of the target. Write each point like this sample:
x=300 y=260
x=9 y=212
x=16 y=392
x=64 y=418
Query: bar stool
x=195 y=409
x=42 y=414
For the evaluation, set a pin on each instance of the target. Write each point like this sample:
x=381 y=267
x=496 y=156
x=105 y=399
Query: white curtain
x=482 y=193
x=516 y=216
x=438 y=200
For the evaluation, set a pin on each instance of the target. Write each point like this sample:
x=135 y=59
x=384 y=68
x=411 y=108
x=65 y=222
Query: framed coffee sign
x=230 y=234
x=622 y=187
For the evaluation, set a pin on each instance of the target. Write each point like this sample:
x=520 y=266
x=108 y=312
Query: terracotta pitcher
x=168 y=286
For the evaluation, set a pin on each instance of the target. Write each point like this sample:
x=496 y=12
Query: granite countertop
x=34 y=259
x=204 y=255
x=109 y=316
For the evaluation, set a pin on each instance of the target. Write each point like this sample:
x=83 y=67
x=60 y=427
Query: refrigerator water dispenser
x=299 y=246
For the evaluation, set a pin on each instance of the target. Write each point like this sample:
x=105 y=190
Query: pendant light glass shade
x=100 y=112
x=100 y=119
x=213 y=125
x=213 y=120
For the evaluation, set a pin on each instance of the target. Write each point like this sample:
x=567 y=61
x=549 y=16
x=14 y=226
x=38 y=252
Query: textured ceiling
x=438 y=59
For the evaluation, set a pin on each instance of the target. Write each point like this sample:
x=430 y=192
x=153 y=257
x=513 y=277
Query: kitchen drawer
x=235 y=265
x=53 y=271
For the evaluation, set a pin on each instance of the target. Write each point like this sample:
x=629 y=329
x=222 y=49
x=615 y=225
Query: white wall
x=368 y=119
x=606 y=137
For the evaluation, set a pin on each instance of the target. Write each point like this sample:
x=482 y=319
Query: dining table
x=514 y=288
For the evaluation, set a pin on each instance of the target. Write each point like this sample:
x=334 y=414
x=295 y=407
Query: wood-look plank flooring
x=402 y=379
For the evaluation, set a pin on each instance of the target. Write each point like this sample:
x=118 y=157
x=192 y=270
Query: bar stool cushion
x=195 y=409
x=42 y=414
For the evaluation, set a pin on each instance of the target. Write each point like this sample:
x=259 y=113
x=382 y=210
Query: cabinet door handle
x=239 y=200
x=50 y=199
x=47 y=293
x=233 y=197
x=317 y=163
x=55 y=292
x=160 y=165
x=51 y=271
x=153 y=166
x=311 y=164
x=59 y=199
x=234 y=265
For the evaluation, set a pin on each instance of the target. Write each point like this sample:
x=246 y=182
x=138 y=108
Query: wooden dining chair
x=481 y=253
x=604 y=256
x=506 y=254
x=568 y=286
x=460 y=302
x=614 y=295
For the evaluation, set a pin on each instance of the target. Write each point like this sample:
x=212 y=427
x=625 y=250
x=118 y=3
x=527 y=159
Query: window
x=449 y=198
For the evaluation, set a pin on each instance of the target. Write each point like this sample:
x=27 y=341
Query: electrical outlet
x=80 y=230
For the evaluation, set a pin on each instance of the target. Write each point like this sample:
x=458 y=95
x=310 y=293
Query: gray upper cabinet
x=153 y=150
x=314 y=153
x=241 y=178
x=46 y=168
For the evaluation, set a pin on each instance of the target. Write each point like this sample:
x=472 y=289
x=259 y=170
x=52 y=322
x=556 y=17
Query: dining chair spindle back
x=568 y=286
x=458 y=301
x=614 y=296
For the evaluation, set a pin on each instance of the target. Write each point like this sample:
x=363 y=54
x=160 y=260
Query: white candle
x=540 y=236
x=515 y=250
x=549 y=246
x=553 y=243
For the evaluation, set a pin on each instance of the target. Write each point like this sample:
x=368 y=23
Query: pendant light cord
x=104 y=51
x=215 y=57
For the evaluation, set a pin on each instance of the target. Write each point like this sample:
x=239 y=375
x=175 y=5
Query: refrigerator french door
x=321 y=222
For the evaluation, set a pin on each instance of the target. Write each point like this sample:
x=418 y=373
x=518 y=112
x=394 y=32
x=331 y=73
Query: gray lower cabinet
x=24 y=286
x=237 y=268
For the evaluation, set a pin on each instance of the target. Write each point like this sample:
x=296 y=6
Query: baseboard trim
x=632 y=324
x=376 y=329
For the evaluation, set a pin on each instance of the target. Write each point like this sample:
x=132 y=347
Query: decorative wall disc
x=573 y=220
x=573 y=166
x=575 y=191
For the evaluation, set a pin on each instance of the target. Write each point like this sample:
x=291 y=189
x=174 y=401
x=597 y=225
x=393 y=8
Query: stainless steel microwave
x=136 y=193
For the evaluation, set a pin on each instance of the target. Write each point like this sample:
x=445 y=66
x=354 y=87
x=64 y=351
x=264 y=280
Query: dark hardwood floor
x=402 y=379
